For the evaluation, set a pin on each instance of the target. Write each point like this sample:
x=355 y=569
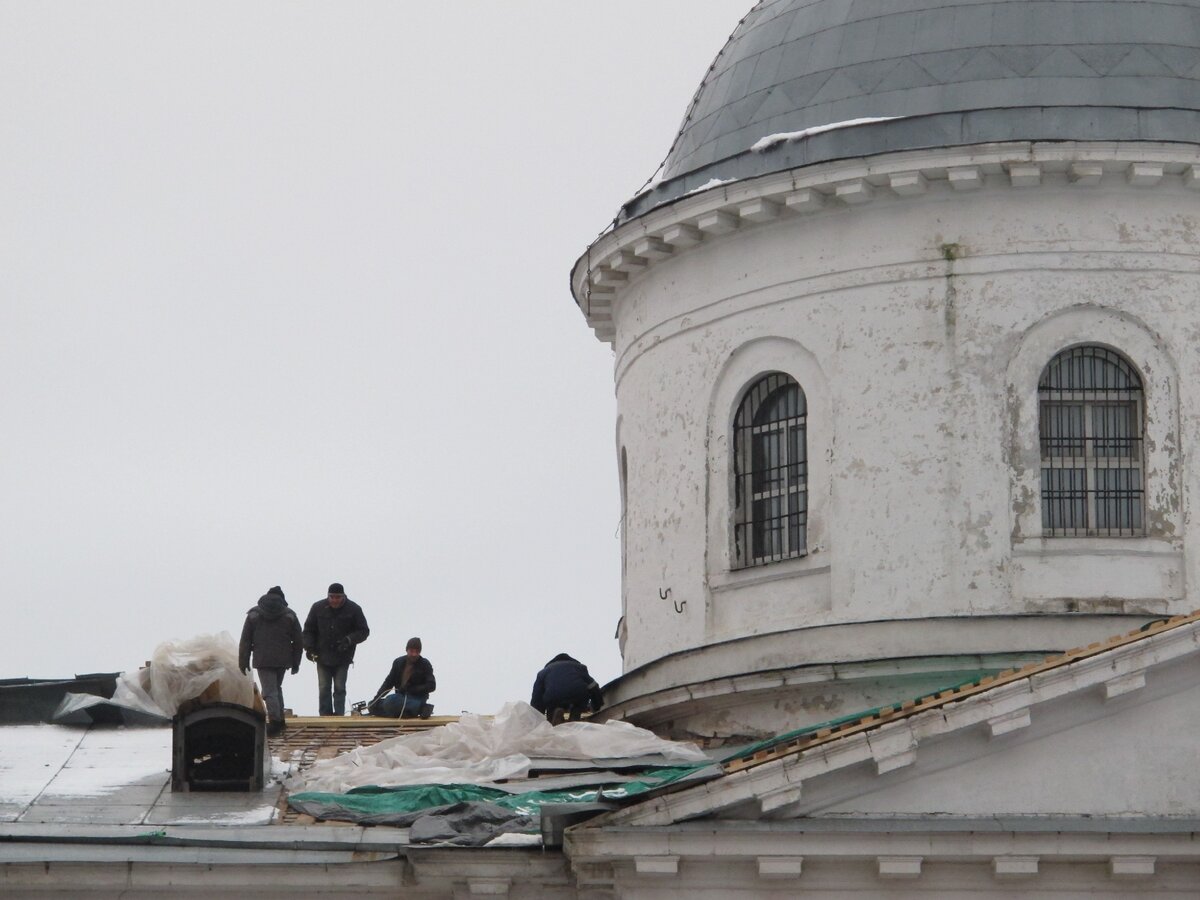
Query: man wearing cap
x=411 y=680
x=334 y=627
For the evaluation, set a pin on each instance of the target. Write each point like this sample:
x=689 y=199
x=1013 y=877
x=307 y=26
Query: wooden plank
x=333 y=722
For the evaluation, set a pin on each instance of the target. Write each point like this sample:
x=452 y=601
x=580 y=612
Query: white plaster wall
x=917 y=328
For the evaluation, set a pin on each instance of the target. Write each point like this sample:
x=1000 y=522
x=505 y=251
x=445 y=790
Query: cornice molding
x=623 y=255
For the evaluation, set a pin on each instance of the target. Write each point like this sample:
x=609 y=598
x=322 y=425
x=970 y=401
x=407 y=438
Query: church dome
x=934 y=73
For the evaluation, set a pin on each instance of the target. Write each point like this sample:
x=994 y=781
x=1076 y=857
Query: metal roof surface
x=967 y=71
x=57 y=775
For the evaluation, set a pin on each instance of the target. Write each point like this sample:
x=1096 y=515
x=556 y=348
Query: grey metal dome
x=950 y=72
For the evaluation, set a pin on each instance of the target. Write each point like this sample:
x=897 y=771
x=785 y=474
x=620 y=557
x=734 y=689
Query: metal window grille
x=770 y=473
x=1090 y=427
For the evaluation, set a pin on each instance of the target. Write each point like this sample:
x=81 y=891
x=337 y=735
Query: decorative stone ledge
x=1015 y=866
x=772 y=801
x=488 y=887
x=1126 y=684
x=1131 y=866
x=1033 y=857
x=1010 y=722
x=1025 y=174
x=621 y=256
x=896 y=867
x=893 y=749
x=780 y=867
x=656 y=865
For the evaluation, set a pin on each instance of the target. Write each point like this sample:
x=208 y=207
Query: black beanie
x=336 y=588
x=276 y=590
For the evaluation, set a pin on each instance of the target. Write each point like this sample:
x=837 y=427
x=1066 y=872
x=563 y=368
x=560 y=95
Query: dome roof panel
x=799 y=64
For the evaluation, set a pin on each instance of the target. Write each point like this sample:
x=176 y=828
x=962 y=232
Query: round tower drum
x=903 y=361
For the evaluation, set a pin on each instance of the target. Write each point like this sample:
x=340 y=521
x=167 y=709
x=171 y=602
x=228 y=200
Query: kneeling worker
x=565 y=689
x=412 y=680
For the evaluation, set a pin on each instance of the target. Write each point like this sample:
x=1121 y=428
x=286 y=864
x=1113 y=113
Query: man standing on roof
x=564 y=689
x=272 y=635
x=412 y=680
x=334 y=627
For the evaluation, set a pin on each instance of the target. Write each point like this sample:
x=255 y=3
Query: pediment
x=1081 y=754
x=1105 y=731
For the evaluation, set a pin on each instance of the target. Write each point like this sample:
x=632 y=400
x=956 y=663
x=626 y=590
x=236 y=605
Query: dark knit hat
x=336 y=588
x=275 y=590
x=413 y=644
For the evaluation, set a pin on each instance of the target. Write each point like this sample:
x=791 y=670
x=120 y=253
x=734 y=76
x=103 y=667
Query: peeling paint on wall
x=930 y=504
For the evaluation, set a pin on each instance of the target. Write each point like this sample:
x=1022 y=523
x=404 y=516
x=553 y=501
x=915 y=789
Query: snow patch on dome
x=711 y=183
x=773 y=140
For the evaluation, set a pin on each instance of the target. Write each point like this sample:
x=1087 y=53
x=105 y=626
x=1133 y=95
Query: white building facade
x=905 y=354
x=905 y=399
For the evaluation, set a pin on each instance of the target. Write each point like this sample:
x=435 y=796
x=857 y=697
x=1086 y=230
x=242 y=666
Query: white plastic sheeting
x=179 y=671
x=478 y=750
x=183 y=670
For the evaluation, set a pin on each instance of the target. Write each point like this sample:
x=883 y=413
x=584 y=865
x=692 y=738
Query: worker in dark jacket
x=411 y=682
x=272 y=637
x=334 y=627
x=565 y=689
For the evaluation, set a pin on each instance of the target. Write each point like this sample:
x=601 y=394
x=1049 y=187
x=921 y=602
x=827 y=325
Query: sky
x=284 y=300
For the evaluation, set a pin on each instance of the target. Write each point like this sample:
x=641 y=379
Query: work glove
x=296 y=670
x=344 y=644
x=312 y=657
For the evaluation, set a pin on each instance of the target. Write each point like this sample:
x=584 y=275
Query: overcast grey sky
x=285 y=301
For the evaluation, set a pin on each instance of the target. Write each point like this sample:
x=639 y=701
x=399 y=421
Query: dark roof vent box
x=218 y=747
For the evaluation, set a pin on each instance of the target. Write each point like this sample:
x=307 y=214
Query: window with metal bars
x=770 y=473
x=1090 y=426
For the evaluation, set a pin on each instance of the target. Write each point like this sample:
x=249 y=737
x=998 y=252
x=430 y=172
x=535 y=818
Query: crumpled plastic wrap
x=479 y=750
x=204 y=667
x=132 y=705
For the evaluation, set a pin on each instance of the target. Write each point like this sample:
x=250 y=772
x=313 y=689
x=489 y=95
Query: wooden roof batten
x=910 y=708
x=773 y=777
x=309 y=739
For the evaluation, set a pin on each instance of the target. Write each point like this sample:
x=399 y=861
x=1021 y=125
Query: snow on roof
x=711 y=183
x=59 y=775
x=783 y=137
x=30 y=757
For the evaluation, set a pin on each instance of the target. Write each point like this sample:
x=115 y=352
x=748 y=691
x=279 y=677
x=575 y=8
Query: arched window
x=770 y=472
x=1090 y=425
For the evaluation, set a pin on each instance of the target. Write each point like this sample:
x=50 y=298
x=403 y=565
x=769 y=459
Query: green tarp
x=404 y=805
x=842 y=720
x=375 y=804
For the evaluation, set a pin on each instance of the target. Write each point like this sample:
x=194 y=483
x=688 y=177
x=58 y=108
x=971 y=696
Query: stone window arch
x=1161 y=460
x=770 y=472
x=1090 y=430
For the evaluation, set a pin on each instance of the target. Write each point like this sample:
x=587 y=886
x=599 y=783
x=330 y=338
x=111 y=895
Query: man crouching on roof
x=412 y=680
x=564 y=689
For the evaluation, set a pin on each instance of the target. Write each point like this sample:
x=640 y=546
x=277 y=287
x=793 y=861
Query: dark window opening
x=770 y=473
x=1090 y=409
